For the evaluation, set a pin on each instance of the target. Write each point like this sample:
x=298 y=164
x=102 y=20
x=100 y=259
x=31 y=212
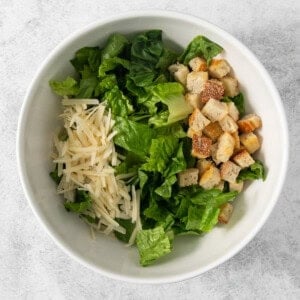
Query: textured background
x=33 y=267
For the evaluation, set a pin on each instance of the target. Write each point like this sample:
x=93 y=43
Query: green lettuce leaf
x=110 y=64
x=239 y=102
x=202 y=218
x=129 y=226
x=165 y=190
x=200 y=46
x=255 y=171
x=82 y=202
x=152 y=244
x=114 y=46
x=87 y=56
x=67 y=87
x=133 y=136
x=54 y=175
x=118 y=103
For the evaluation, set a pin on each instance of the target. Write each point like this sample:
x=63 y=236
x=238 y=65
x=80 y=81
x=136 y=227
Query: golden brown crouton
x=213 y=131
x=203 y=165
x=210 y=178
x=228 y=124
x=229 y=171
x=194 y=100
x=215 y=110
x=225 y=147
x=233 y=111
x=180 y=72
x=237 y=144
x=225 y=213
x=249 y=123
x=243 y=159
x=188 y=177
x=198 y=64
x=220 y=186
x=213 y=149
x=218 y=68
x=236 y=186
x=195 y=81
x=213 y=88
x=197 y=121
x=250 y=141
x=201 y=146
x=231 y=86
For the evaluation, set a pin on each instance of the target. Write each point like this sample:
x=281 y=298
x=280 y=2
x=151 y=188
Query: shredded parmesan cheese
x=86 y=161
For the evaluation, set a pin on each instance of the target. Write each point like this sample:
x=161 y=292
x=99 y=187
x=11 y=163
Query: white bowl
x=191 y=255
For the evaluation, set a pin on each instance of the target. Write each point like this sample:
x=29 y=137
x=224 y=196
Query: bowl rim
x=20 y=141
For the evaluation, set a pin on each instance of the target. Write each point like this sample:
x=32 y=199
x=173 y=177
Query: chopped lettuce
x=153 y=244
x=83 y=201
x=67 y=87
x=200 y=46
x=255 y=171
x=87 y=56
x=129 y=227
x=116 y=43
x=239 y=102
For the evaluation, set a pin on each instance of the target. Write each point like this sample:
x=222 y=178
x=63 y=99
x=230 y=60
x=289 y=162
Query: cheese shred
x=86 y=161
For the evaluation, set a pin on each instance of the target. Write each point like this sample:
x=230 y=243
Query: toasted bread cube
x=197 y=121
x=213 y=88
x=203 y=165
x=236 y=186
x=233 y=111
x=243 y=159
x=237 y=144
x=201 y=146
x=210 y=178
x=218 y=68
x=229 y=171
x=225 y=147
x=250 y=141
x=194 y=100
x=190 y=133
x=195 y=81
x=213 y=131
x=215 y=110
x=249 y=123
x=213 y=149
x=220 y=186
x=225 y=213
x=188 y=177
x=228 y=124
x=198 y=64
x=179 y=72
x=231 y=86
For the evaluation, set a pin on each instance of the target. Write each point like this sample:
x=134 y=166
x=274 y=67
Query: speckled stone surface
x=33 y=267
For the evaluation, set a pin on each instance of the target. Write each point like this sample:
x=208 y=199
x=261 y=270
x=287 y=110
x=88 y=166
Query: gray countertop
x=33 y=267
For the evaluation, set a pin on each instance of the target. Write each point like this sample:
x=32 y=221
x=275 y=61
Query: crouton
x=203 y=165
x=197 y=121
x=229 y=171
x=237 y=144
x=195 y=81
x=213 y=150
x=213 y=131
x=225 y=213
x=198 y=64
x=179 y=72
x=218 y=68
x=243 y=159
x=220 y=186
x=249 y=123
x=233 y=111
x=210 y=178
x=228 y=124
x=188 y=177
x=215 y=110
x=190 y=132
x=194 y=100
x=236 y=186
x=250 y=141
x=225 y=147
x=231 y=86
x=201 y=146
x=213 y=88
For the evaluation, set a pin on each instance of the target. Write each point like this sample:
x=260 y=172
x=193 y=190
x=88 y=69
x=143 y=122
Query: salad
x=154 y=143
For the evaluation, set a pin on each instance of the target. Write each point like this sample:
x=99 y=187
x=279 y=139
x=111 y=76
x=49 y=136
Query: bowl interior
x=191 y=255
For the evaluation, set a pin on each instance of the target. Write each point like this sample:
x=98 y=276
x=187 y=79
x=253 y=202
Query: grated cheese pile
x=86 y=161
